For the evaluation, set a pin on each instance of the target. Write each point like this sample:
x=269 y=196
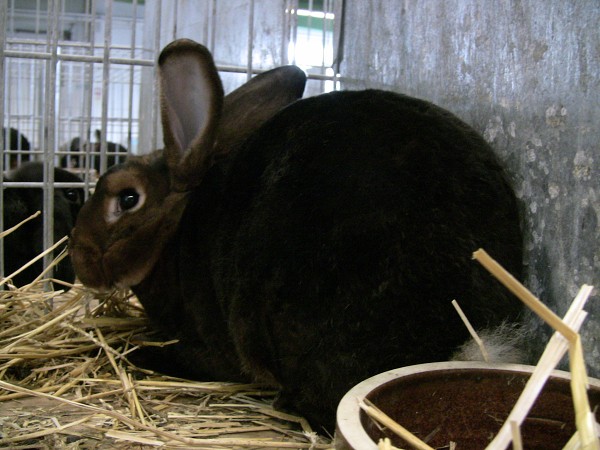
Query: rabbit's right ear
x=191 y=103
x=248 y=107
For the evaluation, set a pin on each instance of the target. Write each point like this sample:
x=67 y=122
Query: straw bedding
x=66 y=383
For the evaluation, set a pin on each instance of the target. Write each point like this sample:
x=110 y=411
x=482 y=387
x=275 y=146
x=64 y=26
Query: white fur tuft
x=503 y=344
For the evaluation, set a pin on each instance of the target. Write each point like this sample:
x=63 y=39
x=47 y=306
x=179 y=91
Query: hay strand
x=517 y=441
x=33 y=261
x=23 y=222
x=472 y=331
x=376 y=414
x=523 y=294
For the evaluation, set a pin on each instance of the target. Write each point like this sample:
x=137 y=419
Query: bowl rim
x=348 y=425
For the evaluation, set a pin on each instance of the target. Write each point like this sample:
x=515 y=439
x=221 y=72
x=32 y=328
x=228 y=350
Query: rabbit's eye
x=128 y=199
x=72 y=195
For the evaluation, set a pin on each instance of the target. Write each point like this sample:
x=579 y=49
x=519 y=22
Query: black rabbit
x=308 y=246
x=15 y=140
x=26 y=242
x=76 y=159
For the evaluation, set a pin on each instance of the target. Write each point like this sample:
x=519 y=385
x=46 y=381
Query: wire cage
x=77 y=77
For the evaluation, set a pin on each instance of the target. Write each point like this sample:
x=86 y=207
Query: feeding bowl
x=463 y=402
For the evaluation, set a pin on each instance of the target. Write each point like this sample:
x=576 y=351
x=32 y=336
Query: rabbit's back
x=347 y=230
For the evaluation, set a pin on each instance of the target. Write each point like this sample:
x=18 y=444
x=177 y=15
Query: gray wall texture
x=526 y=74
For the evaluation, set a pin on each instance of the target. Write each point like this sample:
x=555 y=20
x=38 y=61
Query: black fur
x=77 y=158
x=26 y=242
x=333 y=247
x=16 y=141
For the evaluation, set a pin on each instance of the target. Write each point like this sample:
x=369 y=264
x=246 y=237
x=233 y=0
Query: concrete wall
x=526 y=74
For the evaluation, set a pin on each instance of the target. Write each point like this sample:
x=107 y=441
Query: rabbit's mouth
x=105 y=270
x=104 y=262
x=87 y=262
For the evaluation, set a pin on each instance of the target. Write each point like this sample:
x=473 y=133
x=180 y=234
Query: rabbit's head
x=137 y=206
x=26 y=242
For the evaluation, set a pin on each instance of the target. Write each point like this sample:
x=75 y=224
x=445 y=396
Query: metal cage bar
x=49 y=121
x=3 y=20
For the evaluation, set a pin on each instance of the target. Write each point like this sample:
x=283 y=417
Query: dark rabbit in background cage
x=16 y=141
x=76 y=156
x=25 y=243
x=306 y=244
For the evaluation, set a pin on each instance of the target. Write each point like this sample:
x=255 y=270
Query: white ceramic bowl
x=351 y=433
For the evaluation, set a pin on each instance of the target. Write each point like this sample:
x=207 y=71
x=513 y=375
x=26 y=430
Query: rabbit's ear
x=252 y=104
x=191 y=103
